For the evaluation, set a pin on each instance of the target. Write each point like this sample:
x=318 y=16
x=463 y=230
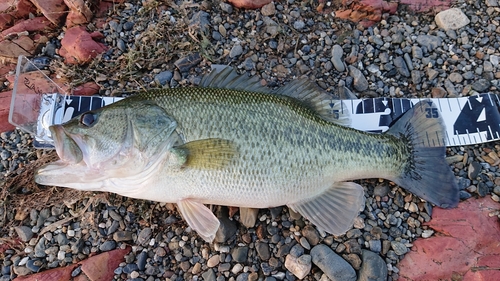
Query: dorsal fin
x=312 y=96
x=328 y=108
x=225 y=77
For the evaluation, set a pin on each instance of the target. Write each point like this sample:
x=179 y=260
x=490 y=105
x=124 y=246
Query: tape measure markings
x=469 y=120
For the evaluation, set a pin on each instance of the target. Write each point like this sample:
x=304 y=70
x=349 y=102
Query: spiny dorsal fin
x=225 y=77
x=322 y=103
x=329 y=109
x=207 y=154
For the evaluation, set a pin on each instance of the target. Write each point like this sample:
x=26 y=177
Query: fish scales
x=289 y=140
x=232 y=142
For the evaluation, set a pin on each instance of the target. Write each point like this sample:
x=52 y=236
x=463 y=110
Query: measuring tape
x=468 y=120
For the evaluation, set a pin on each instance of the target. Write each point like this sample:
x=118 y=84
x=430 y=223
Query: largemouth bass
x=233 y=142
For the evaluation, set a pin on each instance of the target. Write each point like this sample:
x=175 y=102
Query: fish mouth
x=71 y=170
x=66 y=147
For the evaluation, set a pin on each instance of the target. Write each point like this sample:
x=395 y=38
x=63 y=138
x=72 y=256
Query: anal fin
x=199 y=218
x=335 y=209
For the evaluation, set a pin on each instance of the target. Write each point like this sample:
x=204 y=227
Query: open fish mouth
x=71 y=170
x=66 y=147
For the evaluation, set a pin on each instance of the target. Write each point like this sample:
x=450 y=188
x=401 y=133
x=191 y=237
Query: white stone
x=61 y=255
x=300 y=266
x=213 y=261
x=452 y=18
x=413 y=208
x=495 y=197
x=224 y=249
x=24 y=261
x=237 y=268
x=427 y=233
x=494 y=60
x=359 y=223
x=491 y=3
x=305 y=243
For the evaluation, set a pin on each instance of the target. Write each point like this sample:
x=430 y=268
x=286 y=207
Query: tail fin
x=427 y=174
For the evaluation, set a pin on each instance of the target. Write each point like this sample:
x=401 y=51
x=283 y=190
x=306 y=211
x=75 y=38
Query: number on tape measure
x=432 y=112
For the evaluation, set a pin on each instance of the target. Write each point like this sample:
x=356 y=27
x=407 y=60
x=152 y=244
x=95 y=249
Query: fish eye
x=88 y=119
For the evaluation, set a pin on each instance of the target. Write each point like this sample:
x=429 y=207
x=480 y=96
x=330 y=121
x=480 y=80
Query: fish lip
x=68 y=150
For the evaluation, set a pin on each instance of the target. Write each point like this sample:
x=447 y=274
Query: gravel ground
x=169 y=45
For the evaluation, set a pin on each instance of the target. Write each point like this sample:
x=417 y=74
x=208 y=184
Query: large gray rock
x=401 y=66
x=338 y=62
x=360 y=82
x=373 y=267
x=262 y=249
x=431 y=42
x=24 y=233
x=227 y=228
x=333 y=265
x=452 y=18
x=240 y=254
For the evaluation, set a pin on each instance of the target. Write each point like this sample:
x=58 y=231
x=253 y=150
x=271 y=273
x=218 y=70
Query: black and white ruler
x=468 y=120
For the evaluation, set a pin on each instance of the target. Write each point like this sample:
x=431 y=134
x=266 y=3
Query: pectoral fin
x=199 y=218
x=206 y=154
x=335 y=209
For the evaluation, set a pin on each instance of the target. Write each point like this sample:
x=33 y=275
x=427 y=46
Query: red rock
x=249 y=4
x=102 y=266
x=10 y=243
x=343 y=14
x=97 y=268
x=367 y=12
x=427 y=5
x=5 y=68
x=6 y=20
x=14 y=9
x=53 y=10
x=56 y=274
x=12 y=49
x=17 y=8
x=79 y=13
x=78 y=46
x=87 y=89
x=41 y=24
x=5 y=6
x=36 y=79
x=5 y=98
x=465 y=245
x=391 y=7
x=105 y=5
